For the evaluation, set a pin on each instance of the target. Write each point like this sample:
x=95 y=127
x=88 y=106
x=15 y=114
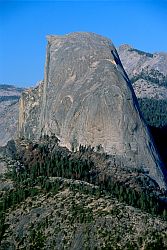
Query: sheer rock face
x=87 y=99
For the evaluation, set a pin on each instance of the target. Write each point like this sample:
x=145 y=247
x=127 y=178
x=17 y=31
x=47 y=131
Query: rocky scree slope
x=9 y=98
x=87 y=99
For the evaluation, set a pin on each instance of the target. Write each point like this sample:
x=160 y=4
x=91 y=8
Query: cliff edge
x=86 y=98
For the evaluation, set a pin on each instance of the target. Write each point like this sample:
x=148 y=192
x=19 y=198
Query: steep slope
x=9 y=98
x=87 y=99
x=148 y=89
x=53 y=202
x=147 y=72
x=30 y=109
x=72 y=219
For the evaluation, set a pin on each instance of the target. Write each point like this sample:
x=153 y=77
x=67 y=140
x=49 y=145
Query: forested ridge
x=151 y=75
x=43 y=167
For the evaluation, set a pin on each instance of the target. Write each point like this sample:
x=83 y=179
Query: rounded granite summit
x=87 y=99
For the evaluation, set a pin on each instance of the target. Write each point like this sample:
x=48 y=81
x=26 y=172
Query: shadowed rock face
x=87 y=99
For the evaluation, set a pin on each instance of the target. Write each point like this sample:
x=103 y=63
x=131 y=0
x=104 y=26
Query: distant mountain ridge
x=147 y=71
x=148 y=74
x=9 y=97
x=138 y=60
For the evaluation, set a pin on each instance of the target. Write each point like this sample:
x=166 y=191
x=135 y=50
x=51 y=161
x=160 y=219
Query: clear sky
x=25 y=24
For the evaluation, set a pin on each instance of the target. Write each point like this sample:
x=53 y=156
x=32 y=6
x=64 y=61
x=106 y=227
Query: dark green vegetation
x=41 y=161
x=73 y=219
x=42 y=168
x=151 y=75
x=154 y=112
x=140 y=52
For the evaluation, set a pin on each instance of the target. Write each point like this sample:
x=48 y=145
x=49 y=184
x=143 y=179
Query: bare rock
x=147 y=71
x=87 y=99
x=9 y=99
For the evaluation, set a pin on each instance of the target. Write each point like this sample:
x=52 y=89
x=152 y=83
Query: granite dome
x=86 y=98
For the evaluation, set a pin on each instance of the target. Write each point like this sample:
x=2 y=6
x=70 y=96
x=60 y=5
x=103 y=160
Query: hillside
x=9 y=97
x=57 y=199
x=143 y=65
x=148 y=74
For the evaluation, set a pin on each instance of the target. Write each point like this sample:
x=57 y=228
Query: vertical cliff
x=87 y=99
x=29 y=112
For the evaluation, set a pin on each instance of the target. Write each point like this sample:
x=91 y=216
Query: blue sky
x=25 y=24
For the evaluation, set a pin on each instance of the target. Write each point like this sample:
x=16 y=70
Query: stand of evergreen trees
x=154 y=111
x=60 y=163
x=151 y=75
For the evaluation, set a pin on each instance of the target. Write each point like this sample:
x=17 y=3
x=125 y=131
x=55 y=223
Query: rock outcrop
x=87 y=99
x=9 y=102
x=147 y=71
x=29 y=111
x=135 y=61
